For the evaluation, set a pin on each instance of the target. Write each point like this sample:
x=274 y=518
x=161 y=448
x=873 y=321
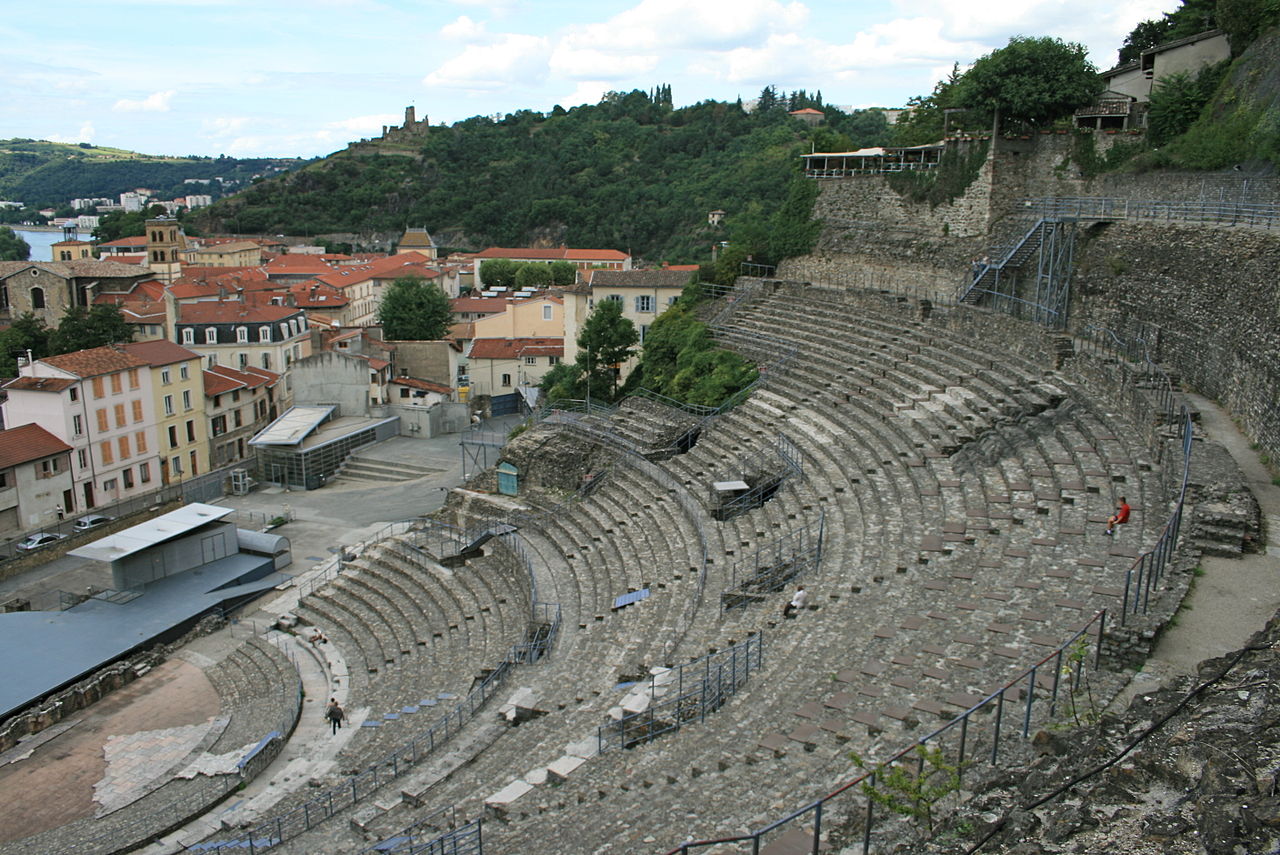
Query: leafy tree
x=681 y=360
x=499 y=272
x=12 y=247
x=792 y=229
x=926 y=120
x=120 y=224
x=534 y=275
x=413 y=309
x=81 y=328
x=26 y=333
x=1178 y=99
x=1144 y=36
x=1030 y=79
x=565 y=272
x=1191 y=17
x=604 y=343
x=1245 y=20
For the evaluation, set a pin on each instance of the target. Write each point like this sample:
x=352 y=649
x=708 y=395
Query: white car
x=91 y=521
x=36 y=541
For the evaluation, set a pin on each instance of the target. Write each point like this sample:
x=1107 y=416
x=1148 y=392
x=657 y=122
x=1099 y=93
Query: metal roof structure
x=295 y=425
x=164 y=527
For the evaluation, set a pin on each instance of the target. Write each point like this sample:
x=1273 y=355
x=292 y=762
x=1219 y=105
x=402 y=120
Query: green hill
x=629 y=173
x=40 y=173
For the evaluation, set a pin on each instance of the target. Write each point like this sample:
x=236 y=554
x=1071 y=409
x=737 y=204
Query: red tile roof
x=314 y=294
x=552 y=254
x=223 y=378
x=511 y=348
x=230 y=312
x=425 y=385
x=95 y=361
x=40 y=384
x=136 y=241
x=807 y=111
x=391 y=267
x=160 y=352
x=298 y=265
x=26 y=443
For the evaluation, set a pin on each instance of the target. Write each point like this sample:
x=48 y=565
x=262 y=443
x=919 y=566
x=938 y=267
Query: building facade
x=35 y=479
x=177 y=385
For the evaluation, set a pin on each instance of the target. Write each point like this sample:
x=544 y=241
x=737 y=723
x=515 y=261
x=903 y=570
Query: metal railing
x=424 y=837
x=847 y=815
x=1219 y=212
x=775 y=564
x=750 y=268
x=688 y=693
x=765 y=472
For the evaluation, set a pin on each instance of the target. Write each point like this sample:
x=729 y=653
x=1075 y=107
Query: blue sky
x=289 y=78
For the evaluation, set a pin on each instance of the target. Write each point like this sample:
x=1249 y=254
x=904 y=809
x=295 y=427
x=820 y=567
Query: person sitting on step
x=798 y=601
x=1120 y=517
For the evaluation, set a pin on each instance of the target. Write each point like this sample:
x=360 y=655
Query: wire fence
x=426 y=837
x=1200 y=212
x=848 y=815
x=775 y=565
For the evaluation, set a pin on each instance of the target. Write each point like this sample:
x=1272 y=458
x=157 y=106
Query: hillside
x=40 y=173
x=631 y=173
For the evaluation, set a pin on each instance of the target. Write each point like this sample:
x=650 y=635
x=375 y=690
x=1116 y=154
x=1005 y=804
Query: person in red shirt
x=1120 y=517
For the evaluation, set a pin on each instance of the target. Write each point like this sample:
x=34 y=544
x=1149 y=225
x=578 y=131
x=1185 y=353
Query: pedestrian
x=1120 y=517
x=798 y=601
x=334 y=713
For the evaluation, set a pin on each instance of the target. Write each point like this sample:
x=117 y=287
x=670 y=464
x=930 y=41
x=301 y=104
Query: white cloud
x=366 y=124
x=85 y=135
x=588 y=92
x=156 y=102
x=593 y=64
x=223 y=126
x=464 y=29
x=698 y=24
x=511 y=59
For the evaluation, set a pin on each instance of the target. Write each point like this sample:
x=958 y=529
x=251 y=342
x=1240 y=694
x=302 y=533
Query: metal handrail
x=1246 y=214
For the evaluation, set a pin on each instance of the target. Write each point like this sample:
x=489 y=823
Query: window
x=109 y=485
x=531 y=360
x=101 y=415
x=242 y=335
x=284 y=330
x=173 y=436
x=644 y=303
x=4 y=480
x=137 y=410
x=74 y=392
x=617 y=298
x=188 y=336
x=98 y=391
x=133 y=378
x=164 y=376
x=237 y=420
x=186 y=399
x=37 y=298
x=235 y=395
x=195 y=469
x=128 y=478
x=244 y=361
x=264 y=333
x=175 y=465
x=144 y=472
x=48 y=468
x=117 y=385
x=546 y=312
x=122 y=444
x=82 y=457
x=210 y=335
x=553 y=360
x=77 y=425
x=140 y=441
x=191 y=430
x=506 y=379
x=184 y=372
x=266 y=361
x=644 y=331
x=219 y=425
x=213 y=360
x=168 y=405
x=105 y=448
x=671 y=301
x=120 y=415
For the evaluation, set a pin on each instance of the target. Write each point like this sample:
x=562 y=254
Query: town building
x=35 y=479
x=177 y=385
x=503 y=366
x=237 y=404
x=70 y=250
x=232 y=253
x=241 y=335
x=417 y=240
x=643 y=295
x=363 y=284
x=47 y=289
x=583 y=259
x=100 y=402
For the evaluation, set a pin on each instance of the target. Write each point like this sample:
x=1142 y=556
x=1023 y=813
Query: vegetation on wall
x=957 y=169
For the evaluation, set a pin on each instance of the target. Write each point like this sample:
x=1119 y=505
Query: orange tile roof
x=297 y=264
x=26 y=443
x=230 y=312
x=425 y=385
x=160 y=352
x=137 y=240
x=558 y=253
x=511 y=348
x=223 y=378
x=391 y=267
x=95 y=361
x=40 y=384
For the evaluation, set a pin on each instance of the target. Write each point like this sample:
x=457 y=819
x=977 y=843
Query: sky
x=291 y=78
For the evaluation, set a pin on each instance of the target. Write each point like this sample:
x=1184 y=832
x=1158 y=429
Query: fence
x=763 y=472
x=1220 y=212
x=775 y=564
x=847 y=815
x=417 y=839
x=689 y=692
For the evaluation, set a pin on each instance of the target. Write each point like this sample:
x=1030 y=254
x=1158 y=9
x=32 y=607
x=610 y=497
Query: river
x=42 y=241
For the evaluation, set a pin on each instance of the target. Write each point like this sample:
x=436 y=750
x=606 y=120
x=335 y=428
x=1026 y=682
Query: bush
x=956 y=171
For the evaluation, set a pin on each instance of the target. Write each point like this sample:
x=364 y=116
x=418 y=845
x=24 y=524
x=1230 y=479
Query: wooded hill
x=630 y=173
x=40 y=173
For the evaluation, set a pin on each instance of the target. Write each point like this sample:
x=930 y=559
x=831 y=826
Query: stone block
x=564 y=766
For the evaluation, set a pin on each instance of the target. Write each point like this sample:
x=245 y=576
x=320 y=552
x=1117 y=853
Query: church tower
x=165 y=243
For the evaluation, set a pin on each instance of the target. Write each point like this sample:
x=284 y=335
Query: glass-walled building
x=304 y=447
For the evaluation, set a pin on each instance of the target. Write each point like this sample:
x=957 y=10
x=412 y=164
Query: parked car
x=36 y=541
x=91 y=521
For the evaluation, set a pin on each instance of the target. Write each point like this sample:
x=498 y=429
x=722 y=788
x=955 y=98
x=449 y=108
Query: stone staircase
x=367 y=469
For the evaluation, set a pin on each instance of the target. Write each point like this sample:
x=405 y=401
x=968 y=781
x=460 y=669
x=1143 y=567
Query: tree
x=1033 y=80
x=1177 y=100
x=12 y=247
x=534 y=275
x=26 y=333
x=604 y=344
x=120 y=224
x=1245 y=20
x=81 y=328
x=414 y=309
x=792 y=229
x=499 y=272
x=565 y=272
x=1144 y=36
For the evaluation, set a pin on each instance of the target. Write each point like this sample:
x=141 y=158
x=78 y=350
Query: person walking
x=334 y=713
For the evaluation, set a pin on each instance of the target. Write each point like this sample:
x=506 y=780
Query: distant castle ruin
x=410 y=131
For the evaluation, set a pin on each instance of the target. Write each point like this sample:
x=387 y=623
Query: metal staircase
x=1045 y=250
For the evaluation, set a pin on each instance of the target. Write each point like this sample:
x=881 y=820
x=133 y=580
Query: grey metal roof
x=295 y=425
x=164 y=527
